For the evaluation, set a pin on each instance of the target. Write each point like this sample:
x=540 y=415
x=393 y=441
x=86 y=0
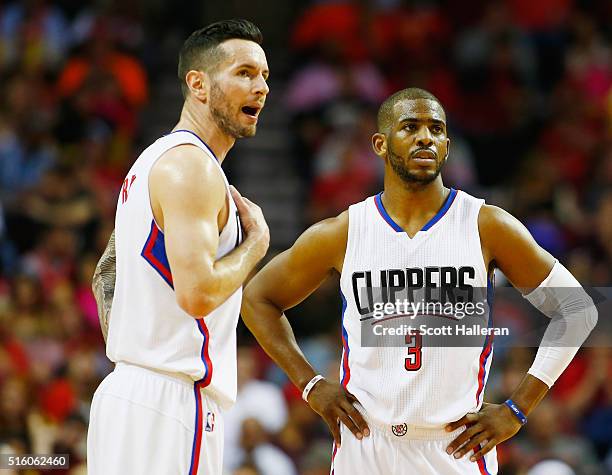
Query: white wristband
x=310 y=385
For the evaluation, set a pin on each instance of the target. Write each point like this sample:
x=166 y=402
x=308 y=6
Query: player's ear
x=197 y=82
x=447 y=149
x=379 y=144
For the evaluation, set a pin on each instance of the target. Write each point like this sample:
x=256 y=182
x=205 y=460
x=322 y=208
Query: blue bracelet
x=516 y=411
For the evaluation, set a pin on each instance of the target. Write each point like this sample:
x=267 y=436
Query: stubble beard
x=222 y=116
x=409 y=177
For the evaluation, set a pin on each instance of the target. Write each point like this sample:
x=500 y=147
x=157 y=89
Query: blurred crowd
x=527 y=87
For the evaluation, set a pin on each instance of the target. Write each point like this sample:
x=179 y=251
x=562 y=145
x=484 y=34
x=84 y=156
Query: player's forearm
x=210 y=289
x=529 y=393
x=234 y=268
x=274 y=333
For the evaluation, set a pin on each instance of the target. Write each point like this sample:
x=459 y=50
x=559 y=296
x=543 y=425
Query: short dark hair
x=201 y=50
x=385 y=111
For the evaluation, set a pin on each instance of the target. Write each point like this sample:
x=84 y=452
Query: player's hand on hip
x=253 y=222
x=487 y=428
x=334 y=404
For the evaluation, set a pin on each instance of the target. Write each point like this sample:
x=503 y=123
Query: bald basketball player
x=415 y=409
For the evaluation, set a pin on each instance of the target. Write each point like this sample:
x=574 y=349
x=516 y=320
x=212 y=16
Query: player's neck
x=198 y=120
x=411 y=205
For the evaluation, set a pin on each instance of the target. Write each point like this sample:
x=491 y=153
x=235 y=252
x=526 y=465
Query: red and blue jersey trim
x=197 y=387
x=204 y=354
x=154 y=252
x=445 y=207
x=198 y=137
x=487 y=349
x=450 y=199
x=197 y=438
x=346 y=350
x=482 y=465
x=335 y=449
x=383 y=212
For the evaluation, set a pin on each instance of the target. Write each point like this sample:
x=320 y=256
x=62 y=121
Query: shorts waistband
x=180 y=378
x=407 y=432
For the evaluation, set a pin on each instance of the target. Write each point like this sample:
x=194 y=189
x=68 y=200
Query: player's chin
x=243 y=132
x=421 y=176
x=249 y=131
x=423 y=171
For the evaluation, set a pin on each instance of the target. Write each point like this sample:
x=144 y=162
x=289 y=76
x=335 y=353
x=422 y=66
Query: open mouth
x=251 y=111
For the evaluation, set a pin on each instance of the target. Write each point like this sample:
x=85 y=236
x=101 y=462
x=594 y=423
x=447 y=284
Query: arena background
x=85 y=86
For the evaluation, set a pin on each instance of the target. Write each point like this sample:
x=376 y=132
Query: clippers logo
x=399 y=430
x=210 y=422
x=432 y=284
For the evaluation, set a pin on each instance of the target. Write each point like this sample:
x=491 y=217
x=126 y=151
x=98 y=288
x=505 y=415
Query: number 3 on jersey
x=414 y=341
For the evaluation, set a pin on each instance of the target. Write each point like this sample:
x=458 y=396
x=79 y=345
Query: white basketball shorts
x=148 y=423
x=400 y=450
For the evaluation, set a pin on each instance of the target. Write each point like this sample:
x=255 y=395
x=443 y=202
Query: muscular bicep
x=188 y=191
x=512 y=249
x=294 y=274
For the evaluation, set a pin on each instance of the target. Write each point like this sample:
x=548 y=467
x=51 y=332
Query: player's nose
x=260 y=86
x=424 y=137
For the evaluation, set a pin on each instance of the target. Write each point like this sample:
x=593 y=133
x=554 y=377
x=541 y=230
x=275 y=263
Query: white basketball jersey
x=432 y=385
x=147 y=327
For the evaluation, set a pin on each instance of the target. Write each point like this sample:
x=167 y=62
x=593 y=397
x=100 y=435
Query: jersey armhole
x=227 y=193
x=489 y=268
x=350 y=241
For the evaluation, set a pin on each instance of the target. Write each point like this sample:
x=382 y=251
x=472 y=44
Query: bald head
x=385 y=112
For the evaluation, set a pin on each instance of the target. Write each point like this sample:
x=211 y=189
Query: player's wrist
x=515 y=411
x=304 y=378
x=310 y=386
x=257 y=244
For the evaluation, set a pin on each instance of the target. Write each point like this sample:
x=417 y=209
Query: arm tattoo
x=103 y=284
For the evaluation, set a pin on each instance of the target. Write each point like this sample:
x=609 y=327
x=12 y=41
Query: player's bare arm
x=188 y=199
x=509 y=246
x=285 y=282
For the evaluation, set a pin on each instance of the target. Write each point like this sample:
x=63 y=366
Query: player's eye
x=437 y=129
x=410 y=127
x=243 y=73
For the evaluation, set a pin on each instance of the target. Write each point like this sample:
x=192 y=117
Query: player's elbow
x=195 y=304
x=251 y=294
x=581 y=309
x=255 y=304
x=591 y=316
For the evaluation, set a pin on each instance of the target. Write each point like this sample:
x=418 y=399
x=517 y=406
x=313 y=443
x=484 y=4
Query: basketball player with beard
x=419 y=409
x=169 y=286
